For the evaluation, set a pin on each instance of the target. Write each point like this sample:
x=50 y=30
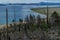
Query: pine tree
x=26 y=27
x=31 y=19
x=32 y=22
x=21 y=20
x=20 y=24
x=38 y=21
x=56 y=17
x=27 y=21
x=14 y=24
x=34 y=19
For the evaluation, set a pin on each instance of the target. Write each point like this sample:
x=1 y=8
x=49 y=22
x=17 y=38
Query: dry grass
x=43 y=10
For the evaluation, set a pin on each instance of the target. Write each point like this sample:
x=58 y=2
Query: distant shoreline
x=43 y=10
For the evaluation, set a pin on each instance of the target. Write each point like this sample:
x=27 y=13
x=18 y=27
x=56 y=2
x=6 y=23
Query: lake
x=21 y=11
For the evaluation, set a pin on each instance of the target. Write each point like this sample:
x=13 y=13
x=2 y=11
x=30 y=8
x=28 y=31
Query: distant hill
x=41 y=3
x=49 y=3
x=2 y=4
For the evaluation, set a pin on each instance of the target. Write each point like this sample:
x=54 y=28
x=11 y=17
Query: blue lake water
x=21 y=11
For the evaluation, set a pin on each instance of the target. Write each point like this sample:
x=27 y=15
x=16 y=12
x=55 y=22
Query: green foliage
x=32 y=19
x=44 y=27
x=55 y=15
x=13 y=20
x=59 y=32
x=27 y=19
x=56 y=18
x=20 y=20
x=38 y=19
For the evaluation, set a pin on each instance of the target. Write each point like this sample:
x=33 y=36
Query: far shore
x=43 y=10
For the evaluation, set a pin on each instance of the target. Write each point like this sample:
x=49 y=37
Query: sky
x=27 y=1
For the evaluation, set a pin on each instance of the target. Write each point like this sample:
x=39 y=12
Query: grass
x=43 y=10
